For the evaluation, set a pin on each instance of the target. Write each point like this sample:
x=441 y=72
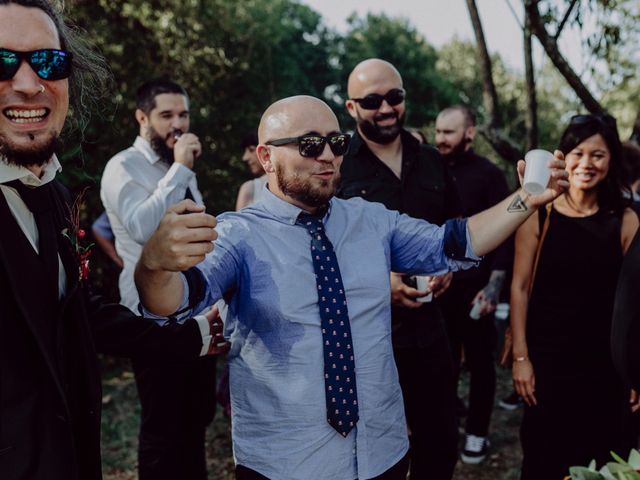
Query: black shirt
x=426 y=190
x=481 y=184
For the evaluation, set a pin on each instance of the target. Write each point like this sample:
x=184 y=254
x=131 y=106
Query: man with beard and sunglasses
x=480 y=184
x=50 y=324
x=138 y=185
x=386 y=164
x=314 y=386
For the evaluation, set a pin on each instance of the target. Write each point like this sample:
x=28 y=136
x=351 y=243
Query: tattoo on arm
x=517 y=205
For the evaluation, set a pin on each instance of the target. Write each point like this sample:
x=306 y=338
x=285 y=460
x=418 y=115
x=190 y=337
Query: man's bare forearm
x=160 y=291
x=491 y=227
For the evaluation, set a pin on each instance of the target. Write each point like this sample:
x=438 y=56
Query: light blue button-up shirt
x=262 y=264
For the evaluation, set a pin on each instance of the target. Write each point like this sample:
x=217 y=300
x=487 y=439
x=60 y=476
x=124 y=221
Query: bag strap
x=543 y=234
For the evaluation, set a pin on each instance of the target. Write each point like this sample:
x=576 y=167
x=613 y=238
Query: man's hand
x=489 y=296
x=557 y=182
x=186 y=149
x=182 y=239
x=402 y=295
x=439 y=284
x=218 y=344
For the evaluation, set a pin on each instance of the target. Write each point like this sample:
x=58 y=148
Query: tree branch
x=564 y=20
x=550 y=46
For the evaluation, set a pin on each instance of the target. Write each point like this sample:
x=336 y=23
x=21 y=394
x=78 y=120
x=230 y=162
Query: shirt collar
x=9 y=172
x=357 y=143
x=285 y=211
x=144 y=147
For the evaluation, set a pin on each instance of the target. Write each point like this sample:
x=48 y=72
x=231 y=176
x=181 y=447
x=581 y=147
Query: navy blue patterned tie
x=339 y=365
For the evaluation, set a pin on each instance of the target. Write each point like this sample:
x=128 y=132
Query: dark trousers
x=478 y=338
x=397 y=472
x=426 y=378
x=178 y=402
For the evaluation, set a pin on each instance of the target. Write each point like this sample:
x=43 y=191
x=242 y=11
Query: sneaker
x=512 y=402
x=475 y=449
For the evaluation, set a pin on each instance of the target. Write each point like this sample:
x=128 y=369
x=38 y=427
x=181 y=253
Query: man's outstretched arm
x=491 y=227
x=182 y=240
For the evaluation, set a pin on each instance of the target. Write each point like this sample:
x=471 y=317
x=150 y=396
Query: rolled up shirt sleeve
x=419 y=247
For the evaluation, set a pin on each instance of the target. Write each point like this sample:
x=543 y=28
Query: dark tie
x=339 y=365
x=40 y=201
x=188 y=195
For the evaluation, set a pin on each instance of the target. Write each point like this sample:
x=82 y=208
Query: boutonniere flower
x=76 y=235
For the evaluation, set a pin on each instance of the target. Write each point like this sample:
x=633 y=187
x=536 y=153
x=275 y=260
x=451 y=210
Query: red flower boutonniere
x=75 y=234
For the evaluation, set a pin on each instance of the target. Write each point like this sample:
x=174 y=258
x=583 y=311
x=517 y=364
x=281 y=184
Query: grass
x=120 y=421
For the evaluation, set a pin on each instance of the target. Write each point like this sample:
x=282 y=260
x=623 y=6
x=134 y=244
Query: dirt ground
x=120 y=422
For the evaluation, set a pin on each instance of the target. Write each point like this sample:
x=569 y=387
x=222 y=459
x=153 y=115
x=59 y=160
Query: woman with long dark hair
x=566 y=265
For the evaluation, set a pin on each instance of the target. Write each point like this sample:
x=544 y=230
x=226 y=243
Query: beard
x=159 y=145
x=379 y=134
x=34 y=155
x=294 y=187
x=456 y=151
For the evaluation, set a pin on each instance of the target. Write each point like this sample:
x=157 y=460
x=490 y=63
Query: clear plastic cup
x=536 y=172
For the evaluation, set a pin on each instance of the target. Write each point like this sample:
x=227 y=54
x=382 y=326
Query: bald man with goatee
x=314 y=386
x=386 y=164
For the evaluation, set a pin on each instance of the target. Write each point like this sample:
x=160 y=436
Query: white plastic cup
x=474 y=314
x=536 y=172
x=422 y=283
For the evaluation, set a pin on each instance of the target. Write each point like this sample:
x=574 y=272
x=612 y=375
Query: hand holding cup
x=543 y=184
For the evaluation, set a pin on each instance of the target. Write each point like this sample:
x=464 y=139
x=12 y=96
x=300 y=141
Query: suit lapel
x=24 y=269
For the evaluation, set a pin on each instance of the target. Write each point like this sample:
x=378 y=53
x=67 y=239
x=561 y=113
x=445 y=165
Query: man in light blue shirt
x=263 y=266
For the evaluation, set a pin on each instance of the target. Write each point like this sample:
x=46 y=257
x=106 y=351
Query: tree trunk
x=491 y=128
x=635 y=135
x=489 y=93
x=550 y=46
x=531 y=119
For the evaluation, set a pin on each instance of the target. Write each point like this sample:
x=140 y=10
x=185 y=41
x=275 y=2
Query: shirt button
x=353 y=451
x=363 y=191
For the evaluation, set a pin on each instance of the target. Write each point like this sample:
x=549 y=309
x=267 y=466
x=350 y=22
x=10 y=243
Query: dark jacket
x=426 y=190
x=50 y=391
x=625 y=330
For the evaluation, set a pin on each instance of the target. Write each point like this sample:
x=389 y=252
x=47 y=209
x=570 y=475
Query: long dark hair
x=613 y=192
x=90 y=75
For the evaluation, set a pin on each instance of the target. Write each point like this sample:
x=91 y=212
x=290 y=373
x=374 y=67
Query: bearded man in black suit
x=50 y=328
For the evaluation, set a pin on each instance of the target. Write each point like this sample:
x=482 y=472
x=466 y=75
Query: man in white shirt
x=138 y=185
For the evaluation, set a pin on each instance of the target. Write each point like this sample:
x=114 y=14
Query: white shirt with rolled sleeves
x=136 y=190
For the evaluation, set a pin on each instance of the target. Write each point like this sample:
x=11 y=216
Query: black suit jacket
x=625 y=331
x=50 y=391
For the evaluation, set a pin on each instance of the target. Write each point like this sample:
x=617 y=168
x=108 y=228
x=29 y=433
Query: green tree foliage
x=234 y=59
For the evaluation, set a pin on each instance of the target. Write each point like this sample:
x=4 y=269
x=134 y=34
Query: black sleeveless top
x=569 y=317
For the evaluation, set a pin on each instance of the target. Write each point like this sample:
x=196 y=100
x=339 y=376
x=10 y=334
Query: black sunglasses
x=393 y=97
x=603 y=119
x=311 y=145
x=48 y=63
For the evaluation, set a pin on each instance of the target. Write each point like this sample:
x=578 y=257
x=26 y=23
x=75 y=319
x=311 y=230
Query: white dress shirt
x=136 y=190
x=19 y=209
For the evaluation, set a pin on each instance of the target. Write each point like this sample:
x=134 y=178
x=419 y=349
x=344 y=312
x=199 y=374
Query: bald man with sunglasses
x=386 y=164
x=314 y=386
